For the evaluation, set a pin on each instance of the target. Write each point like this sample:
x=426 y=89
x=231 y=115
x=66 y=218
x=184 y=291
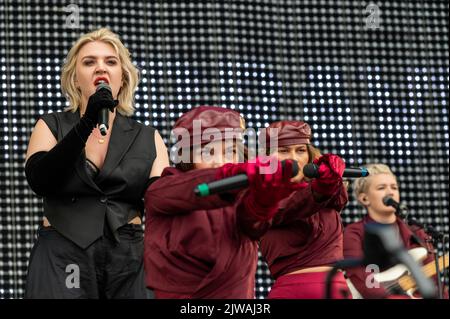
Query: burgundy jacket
x=304 y=233
x=353 y=248
x=198 y=247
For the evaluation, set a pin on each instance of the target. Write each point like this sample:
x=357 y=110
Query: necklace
x=100 y=138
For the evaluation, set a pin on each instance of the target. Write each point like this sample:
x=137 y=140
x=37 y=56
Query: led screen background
x=372 y=80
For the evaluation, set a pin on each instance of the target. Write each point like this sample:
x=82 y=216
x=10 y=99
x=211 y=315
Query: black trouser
x=58 y=268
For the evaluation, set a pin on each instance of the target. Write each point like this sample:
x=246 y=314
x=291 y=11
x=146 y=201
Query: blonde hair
x=360 y=185
x=130 y=74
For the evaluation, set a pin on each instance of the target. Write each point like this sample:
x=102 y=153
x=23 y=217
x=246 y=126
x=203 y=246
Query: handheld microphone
x=231 y=183
x=103 y=114
x=311 y=170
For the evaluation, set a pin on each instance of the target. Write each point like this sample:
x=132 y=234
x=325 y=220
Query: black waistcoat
x=79 y=209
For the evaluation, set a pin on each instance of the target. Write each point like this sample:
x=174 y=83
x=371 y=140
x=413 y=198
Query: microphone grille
x=103 y=85
x=294 y=167
x=389 y=201
x=311 y=170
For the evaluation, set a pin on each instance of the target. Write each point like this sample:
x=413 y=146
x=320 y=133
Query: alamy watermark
x=373 y=20
x=73 y=279
x=372 y=269
x=73 y=19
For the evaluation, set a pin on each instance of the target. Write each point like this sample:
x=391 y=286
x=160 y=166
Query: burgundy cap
x=290 y=133
x=222 y=119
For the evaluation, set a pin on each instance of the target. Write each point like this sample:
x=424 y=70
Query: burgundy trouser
x=309 y=286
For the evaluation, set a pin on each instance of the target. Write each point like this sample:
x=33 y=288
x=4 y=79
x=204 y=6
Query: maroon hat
x=208 y=117
x=289 y=133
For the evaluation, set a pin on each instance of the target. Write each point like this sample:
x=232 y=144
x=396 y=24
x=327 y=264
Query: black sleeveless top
x=113 y=194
